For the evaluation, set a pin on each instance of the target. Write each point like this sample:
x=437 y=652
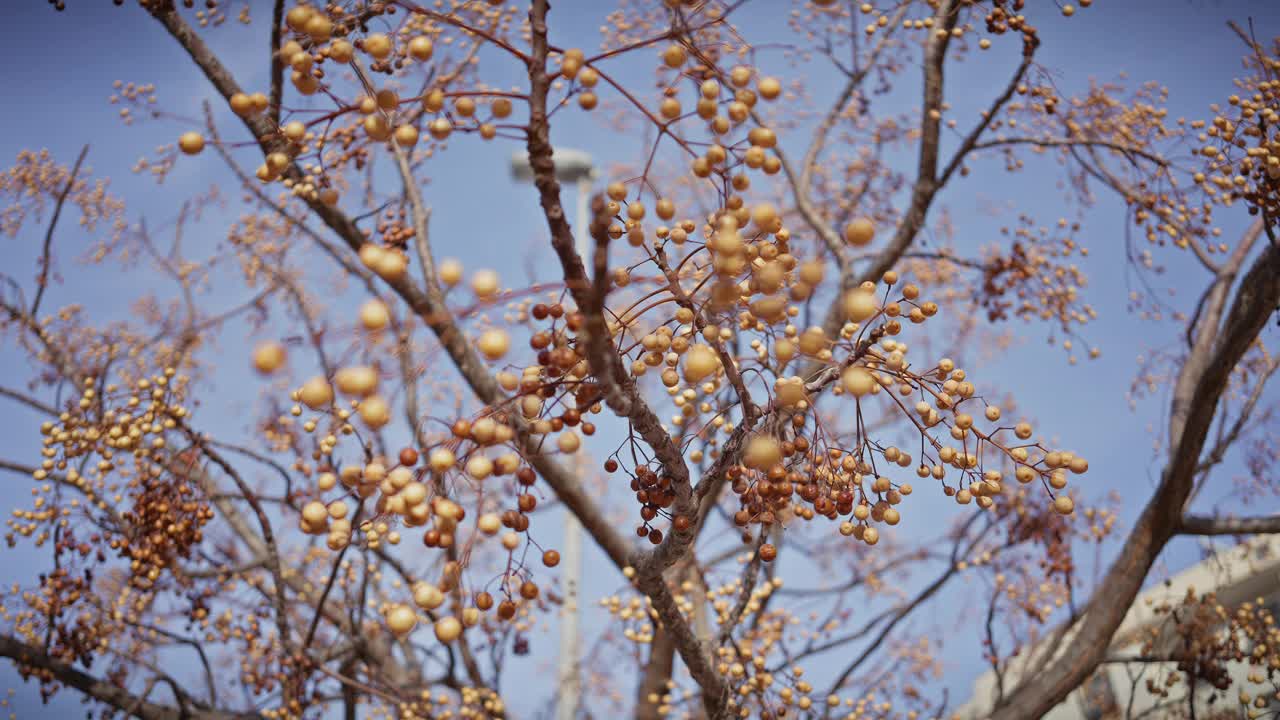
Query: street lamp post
x=572 y=166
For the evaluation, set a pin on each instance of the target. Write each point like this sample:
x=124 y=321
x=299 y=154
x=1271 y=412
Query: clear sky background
x=58 y=72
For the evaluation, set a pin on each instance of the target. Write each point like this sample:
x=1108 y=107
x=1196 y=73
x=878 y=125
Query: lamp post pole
x=571 y=166
x=571 y=552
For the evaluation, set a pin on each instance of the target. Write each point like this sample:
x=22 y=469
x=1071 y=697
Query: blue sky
x=60 y=68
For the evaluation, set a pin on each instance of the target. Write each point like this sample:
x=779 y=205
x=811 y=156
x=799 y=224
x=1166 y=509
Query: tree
x=378 y=496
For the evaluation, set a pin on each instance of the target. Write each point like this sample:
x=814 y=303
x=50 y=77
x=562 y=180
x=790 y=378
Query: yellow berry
x=191 y=143
x=859 y=232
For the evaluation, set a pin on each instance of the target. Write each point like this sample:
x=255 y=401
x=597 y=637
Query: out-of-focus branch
x=270 y=547
x=895 y=616
x=46 y=256
x=1133 y=195
x=802 y=183
x=1060 y=142
x=1208 y=525
x=24 y=399
x=57 y=355
x=102 y=691
x=1227 y=439
x=926 y=183
x=970 y=141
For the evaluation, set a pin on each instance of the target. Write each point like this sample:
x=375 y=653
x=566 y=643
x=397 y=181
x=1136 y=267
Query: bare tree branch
x=1209 y=525
x=46 y=257
x=32 y=657
x=428 y=304
x=1255 y=301
x=802 y=183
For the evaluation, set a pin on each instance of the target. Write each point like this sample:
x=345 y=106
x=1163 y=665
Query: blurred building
x=1118 y=689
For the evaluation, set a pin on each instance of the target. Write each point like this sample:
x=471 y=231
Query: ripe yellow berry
x=700 y=362
x=673 y=56
x=1064 y=505
x=494 y=343
x=762 y=452
x=319 y=27
x=450 y=272
x=568 y=442
x=391 y=265
x=427 y=596
x=441 y=459
x=191 y=143
x=859 y=305
x=375 y=412
x=433 y=101
x=359 y=381
x=440 y=128
x=764 y=216
x=406 y=136
x=298 y=16
x=374 y=315
x=268 y=357
x=489 y=523
x=376 y=127
x=665 y=209
x=571 y=63
x=769 y=87
x=420 y=48
x=294 y=130
x=485 y=284
x=378 y=45
x=789 y=392
x=341 y=51
x=315 y=513
x=859 y=232
x=448 y=629
x=401 y=619
x=858 y=381
x=479 y=467
x=316 y=393
x=241 y=104
x=413 y=493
